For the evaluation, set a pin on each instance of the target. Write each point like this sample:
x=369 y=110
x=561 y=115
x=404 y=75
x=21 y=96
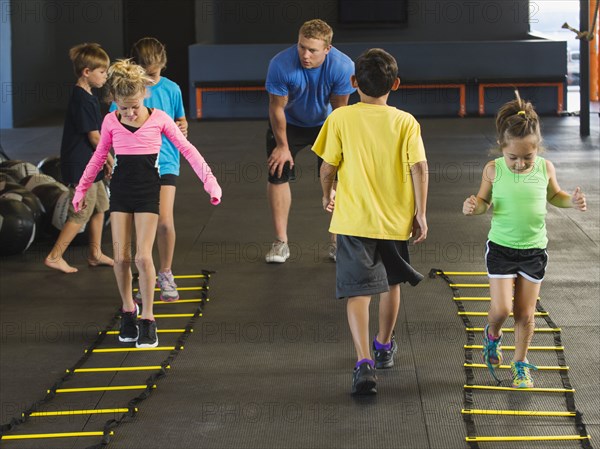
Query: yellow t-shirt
x=373 y=147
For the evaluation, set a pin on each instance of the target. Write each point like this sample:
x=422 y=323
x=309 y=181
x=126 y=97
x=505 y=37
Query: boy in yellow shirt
x=378 y=154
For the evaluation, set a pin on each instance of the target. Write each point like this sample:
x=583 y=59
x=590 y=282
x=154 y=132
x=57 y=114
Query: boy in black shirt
x=81 y=134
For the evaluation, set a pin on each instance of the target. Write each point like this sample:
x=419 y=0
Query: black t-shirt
x=83 y=116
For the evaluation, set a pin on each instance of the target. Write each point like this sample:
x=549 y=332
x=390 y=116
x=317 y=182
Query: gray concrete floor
x=269 y=364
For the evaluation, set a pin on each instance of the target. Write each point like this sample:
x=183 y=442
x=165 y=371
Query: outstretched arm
x=477 y=205
x=193 y=156
x=94 y=138
x=560 y=198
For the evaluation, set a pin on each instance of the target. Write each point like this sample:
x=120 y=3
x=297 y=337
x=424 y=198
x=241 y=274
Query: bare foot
x=60 y=265
x=102 y=261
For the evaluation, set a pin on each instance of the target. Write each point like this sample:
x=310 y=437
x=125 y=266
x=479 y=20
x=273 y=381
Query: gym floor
x=269 y=362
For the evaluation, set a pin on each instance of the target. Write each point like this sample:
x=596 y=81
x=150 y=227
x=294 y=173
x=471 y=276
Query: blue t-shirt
x=166 y=96
x=308 y=90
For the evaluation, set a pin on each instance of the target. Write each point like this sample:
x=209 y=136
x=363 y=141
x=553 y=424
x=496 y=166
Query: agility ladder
x=469 y=412
x=95 y=351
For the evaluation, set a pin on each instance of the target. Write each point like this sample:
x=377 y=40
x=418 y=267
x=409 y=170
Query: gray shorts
x=367 y=266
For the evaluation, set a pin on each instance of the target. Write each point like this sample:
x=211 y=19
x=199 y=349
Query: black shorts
x=168 y=180
x=367 y=266
x=298 y=138
x=143 y=200
x=503 y=262
x=135 y=185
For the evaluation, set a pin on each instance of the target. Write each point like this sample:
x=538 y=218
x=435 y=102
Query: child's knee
x=143 y=262
x=524 y=317
x=497 y=317
x=165 y=227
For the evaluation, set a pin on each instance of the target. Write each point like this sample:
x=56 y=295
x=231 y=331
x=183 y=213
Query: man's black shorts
x=298 y=138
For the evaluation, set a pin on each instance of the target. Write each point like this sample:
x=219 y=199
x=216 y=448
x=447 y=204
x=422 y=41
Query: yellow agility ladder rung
x=158 y=348
x=540 y=368
x=463 y=273
x=475 y=298
x=532 y=390
x=512 y=348
x=179 y=289
x=159 y=331
x=98 y=411
x=486 y=314
x=89 y=389
x=191 y=276
x=119 y=368
x=530 y=413
x=33 y=436
x=463 y=285
x=512 y=329
x=186 y=289
x=179 y=301
x=529 y=438
x=172 y=315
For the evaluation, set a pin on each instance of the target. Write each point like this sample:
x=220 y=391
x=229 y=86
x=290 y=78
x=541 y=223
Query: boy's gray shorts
x=368 y=266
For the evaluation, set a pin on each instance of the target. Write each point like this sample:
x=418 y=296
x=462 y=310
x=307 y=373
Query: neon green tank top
x=519 y=202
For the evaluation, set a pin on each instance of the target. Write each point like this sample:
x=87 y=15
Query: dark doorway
x=172 y=23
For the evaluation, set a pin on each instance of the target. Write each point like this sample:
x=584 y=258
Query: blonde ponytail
x=127 y=79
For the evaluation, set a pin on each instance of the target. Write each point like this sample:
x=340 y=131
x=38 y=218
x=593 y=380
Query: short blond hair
x=149 y=52
x=317 y=29
x=88 y=56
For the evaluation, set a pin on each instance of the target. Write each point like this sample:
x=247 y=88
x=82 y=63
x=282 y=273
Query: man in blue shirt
x=305 y=83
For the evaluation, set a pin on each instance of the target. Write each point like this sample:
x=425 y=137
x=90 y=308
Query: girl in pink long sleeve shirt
x=135 y=132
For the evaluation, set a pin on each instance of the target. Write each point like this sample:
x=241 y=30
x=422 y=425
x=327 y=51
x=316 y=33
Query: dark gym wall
x=268 y=21
x=42 y=33
x=170 y=21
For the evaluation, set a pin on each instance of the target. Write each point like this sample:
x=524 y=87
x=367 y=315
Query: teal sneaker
x=492 y=351
x=521 y=372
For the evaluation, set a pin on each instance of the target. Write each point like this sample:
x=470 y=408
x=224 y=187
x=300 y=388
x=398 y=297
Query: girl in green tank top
x=518 y=185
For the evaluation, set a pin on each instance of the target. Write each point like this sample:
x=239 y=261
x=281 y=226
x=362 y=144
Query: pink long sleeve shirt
x=146 y=140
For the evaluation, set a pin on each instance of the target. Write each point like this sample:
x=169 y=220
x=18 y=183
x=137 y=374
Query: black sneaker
x=129 y=326
x=148 y=337
x=364 y=380
x=385 y=359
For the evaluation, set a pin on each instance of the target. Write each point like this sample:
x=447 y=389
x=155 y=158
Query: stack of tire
x=51 y=166
x=31 y=200
x=19 y=208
